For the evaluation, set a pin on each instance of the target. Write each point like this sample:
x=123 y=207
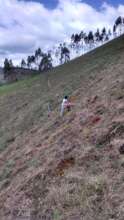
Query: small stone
x=121 y=149
x=96 y=119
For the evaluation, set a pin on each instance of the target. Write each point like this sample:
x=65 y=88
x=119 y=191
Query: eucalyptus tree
x=23 y=63
x=104 y=32
x=97 y=35
x=46 y=62
x=65 y=55
x=91 y=39
x=8 y=65
x=119 y=23
x=29 y=61
x=38 y=55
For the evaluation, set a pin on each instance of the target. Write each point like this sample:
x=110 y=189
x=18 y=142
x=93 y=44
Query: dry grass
x=65 y=168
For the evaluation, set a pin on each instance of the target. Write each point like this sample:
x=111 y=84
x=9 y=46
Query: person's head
x=66 y=97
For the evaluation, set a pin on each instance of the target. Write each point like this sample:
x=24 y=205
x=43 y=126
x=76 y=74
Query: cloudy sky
x=28 y=24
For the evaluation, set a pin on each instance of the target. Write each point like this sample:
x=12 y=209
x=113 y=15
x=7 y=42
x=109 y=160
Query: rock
x=94 y=99
x=101 y=109
x=96 y=119
x=64 y=164
x=117 y=128
x=121 y=149
x=103 y=140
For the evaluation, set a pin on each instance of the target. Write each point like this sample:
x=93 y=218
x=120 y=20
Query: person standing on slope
x=65 y=105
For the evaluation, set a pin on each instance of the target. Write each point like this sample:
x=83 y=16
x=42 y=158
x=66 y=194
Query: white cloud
x=26 y=25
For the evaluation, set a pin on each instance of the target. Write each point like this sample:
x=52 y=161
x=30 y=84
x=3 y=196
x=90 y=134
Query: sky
x=26 y=25
x=95 y=3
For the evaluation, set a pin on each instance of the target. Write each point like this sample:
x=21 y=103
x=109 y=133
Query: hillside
x=66 y=168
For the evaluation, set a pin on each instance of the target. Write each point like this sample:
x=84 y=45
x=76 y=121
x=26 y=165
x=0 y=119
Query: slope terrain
x=68 y=168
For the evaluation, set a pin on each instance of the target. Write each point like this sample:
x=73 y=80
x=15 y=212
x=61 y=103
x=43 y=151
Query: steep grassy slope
x=65 y=168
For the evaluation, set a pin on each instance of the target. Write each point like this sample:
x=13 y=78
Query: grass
x=39 y=144
x=6 y=172
x=6 y=89
x=56 y=215
x=67 y=73
x=33 y=162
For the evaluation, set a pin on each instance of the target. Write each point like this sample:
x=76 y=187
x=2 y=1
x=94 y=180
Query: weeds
x=6 y=172
x=56 y=215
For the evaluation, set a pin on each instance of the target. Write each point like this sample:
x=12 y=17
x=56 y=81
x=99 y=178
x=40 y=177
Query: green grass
x=6 y=89
x=33 y=162
x=6 y=172
x=66 y=74
x=56 y=215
